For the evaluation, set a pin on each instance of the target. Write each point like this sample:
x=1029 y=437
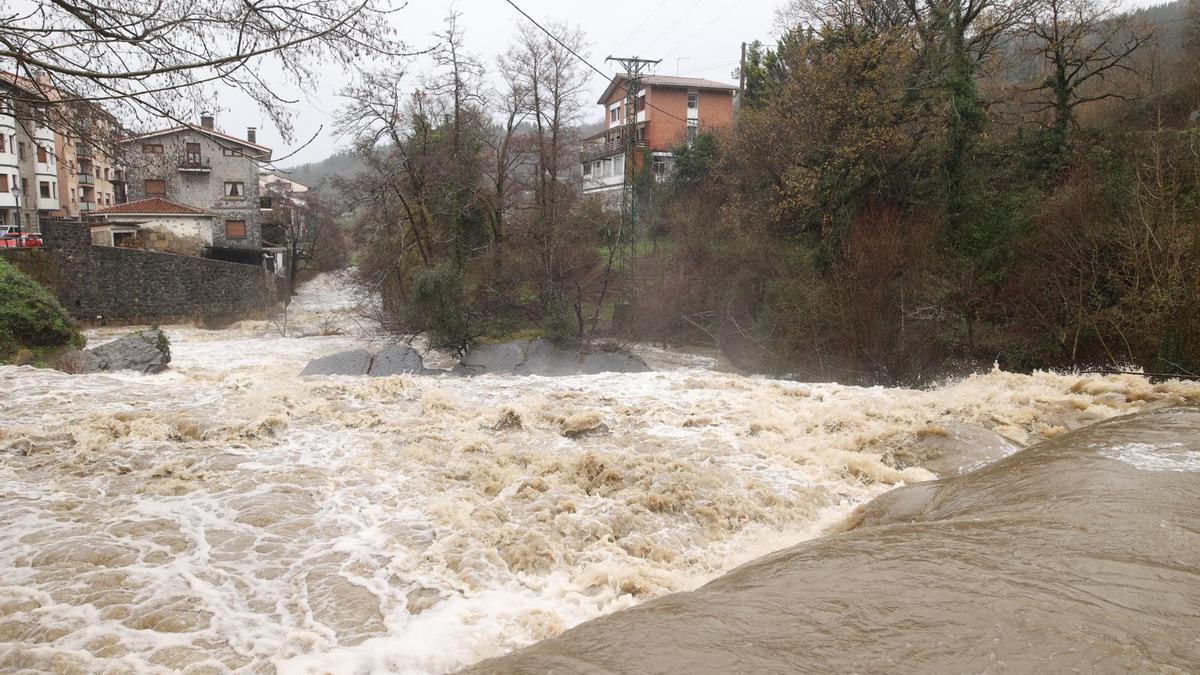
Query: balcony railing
x=201 y=164
x=87 y=206
x=600 y=149
x=86 y=178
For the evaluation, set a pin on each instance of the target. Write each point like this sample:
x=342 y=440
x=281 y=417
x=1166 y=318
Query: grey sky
x=699 y=38
x=696 y=38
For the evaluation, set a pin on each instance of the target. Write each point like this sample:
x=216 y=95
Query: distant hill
x=318 y=174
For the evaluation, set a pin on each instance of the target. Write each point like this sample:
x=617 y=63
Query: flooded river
x=229 y=515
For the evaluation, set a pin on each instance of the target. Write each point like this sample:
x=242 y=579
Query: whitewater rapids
x=229 y=515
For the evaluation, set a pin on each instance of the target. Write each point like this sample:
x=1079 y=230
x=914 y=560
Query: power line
x=585 y=61
x=682 y=16
x=641 y=25
x=706 y=27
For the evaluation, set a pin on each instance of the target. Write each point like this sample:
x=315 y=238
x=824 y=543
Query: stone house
x=208 y=170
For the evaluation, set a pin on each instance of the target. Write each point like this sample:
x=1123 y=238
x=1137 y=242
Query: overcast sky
x=697 y=38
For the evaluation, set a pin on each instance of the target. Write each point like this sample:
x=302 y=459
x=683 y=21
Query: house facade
x=46 y=168
x=670 y=111
x=29 y=185
x=208 y=170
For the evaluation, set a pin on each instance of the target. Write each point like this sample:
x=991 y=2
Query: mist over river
x=229 y=515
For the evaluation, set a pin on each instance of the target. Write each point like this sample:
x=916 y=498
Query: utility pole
x=627 y=237
x=742 y=77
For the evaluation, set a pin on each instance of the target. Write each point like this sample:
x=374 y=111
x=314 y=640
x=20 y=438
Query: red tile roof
x=153 y=206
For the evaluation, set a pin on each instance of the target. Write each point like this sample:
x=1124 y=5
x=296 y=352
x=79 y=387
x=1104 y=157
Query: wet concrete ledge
x=1080 y=553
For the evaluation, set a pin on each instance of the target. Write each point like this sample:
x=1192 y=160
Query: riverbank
x=230 y=513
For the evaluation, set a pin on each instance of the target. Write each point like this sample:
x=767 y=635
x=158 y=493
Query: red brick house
x=670 y=112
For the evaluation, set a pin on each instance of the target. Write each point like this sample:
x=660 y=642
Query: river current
x=230 y=515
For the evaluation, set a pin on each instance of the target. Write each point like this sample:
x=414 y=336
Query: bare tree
x=1082 y=42
x=149 y=59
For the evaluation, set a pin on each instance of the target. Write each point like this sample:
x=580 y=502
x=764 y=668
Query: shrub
x=30 y=317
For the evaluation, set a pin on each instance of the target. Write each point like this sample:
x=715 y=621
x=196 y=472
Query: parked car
x=12 y=239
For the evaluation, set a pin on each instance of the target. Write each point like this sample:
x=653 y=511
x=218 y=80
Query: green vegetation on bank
x=901 y=198
x=32 y=323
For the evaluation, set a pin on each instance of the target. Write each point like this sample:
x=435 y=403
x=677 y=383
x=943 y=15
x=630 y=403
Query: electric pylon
x=627 y=239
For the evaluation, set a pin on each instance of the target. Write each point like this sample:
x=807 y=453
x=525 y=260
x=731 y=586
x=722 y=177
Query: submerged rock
x=1074 y=555
x=148 y=351
x=540 y=357
x=953 y=448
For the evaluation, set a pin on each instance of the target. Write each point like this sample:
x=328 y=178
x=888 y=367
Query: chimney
x=206 y=121
x=252 y=134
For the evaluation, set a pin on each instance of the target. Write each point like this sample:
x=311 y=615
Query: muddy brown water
x=1081 y=554
x=232 y=516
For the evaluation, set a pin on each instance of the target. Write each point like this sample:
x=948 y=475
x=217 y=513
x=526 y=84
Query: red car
x=10 y=239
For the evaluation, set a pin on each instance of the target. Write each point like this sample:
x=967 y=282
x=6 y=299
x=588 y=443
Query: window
x=235 y=229
x=192 y=151
x=613 y=114
x=587 y=168
x=152 y=148
x=264 y=203
x=72 y=195
x=231 y=152
x=619 y=165
x=235 y=189
x=44 y=189
x=21 y=150
x=12 y=187
x=156 y=187
x=54 y=190
x=693 y=130
x=2 y=149
x=25 y=186
x=693 y=100
x=3 y=183
x=659 y=166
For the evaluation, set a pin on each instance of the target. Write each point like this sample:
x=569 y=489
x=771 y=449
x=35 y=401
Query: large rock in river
x=392 y=360
x=148 y=351
x=396 y=360
x=356 y=362
x=540 y=357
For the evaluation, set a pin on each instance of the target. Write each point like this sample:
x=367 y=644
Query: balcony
x=87 y=206
x=193 y=164
x=85 y=178
x=599 y=149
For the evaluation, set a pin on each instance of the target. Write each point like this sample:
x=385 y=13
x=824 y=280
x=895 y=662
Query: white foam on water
x=1154 y=457
x=231 y=515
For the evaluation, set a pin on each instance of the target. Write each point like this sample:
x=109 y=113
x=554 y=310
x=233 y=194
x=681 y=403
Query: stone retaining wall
x=101 y=284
